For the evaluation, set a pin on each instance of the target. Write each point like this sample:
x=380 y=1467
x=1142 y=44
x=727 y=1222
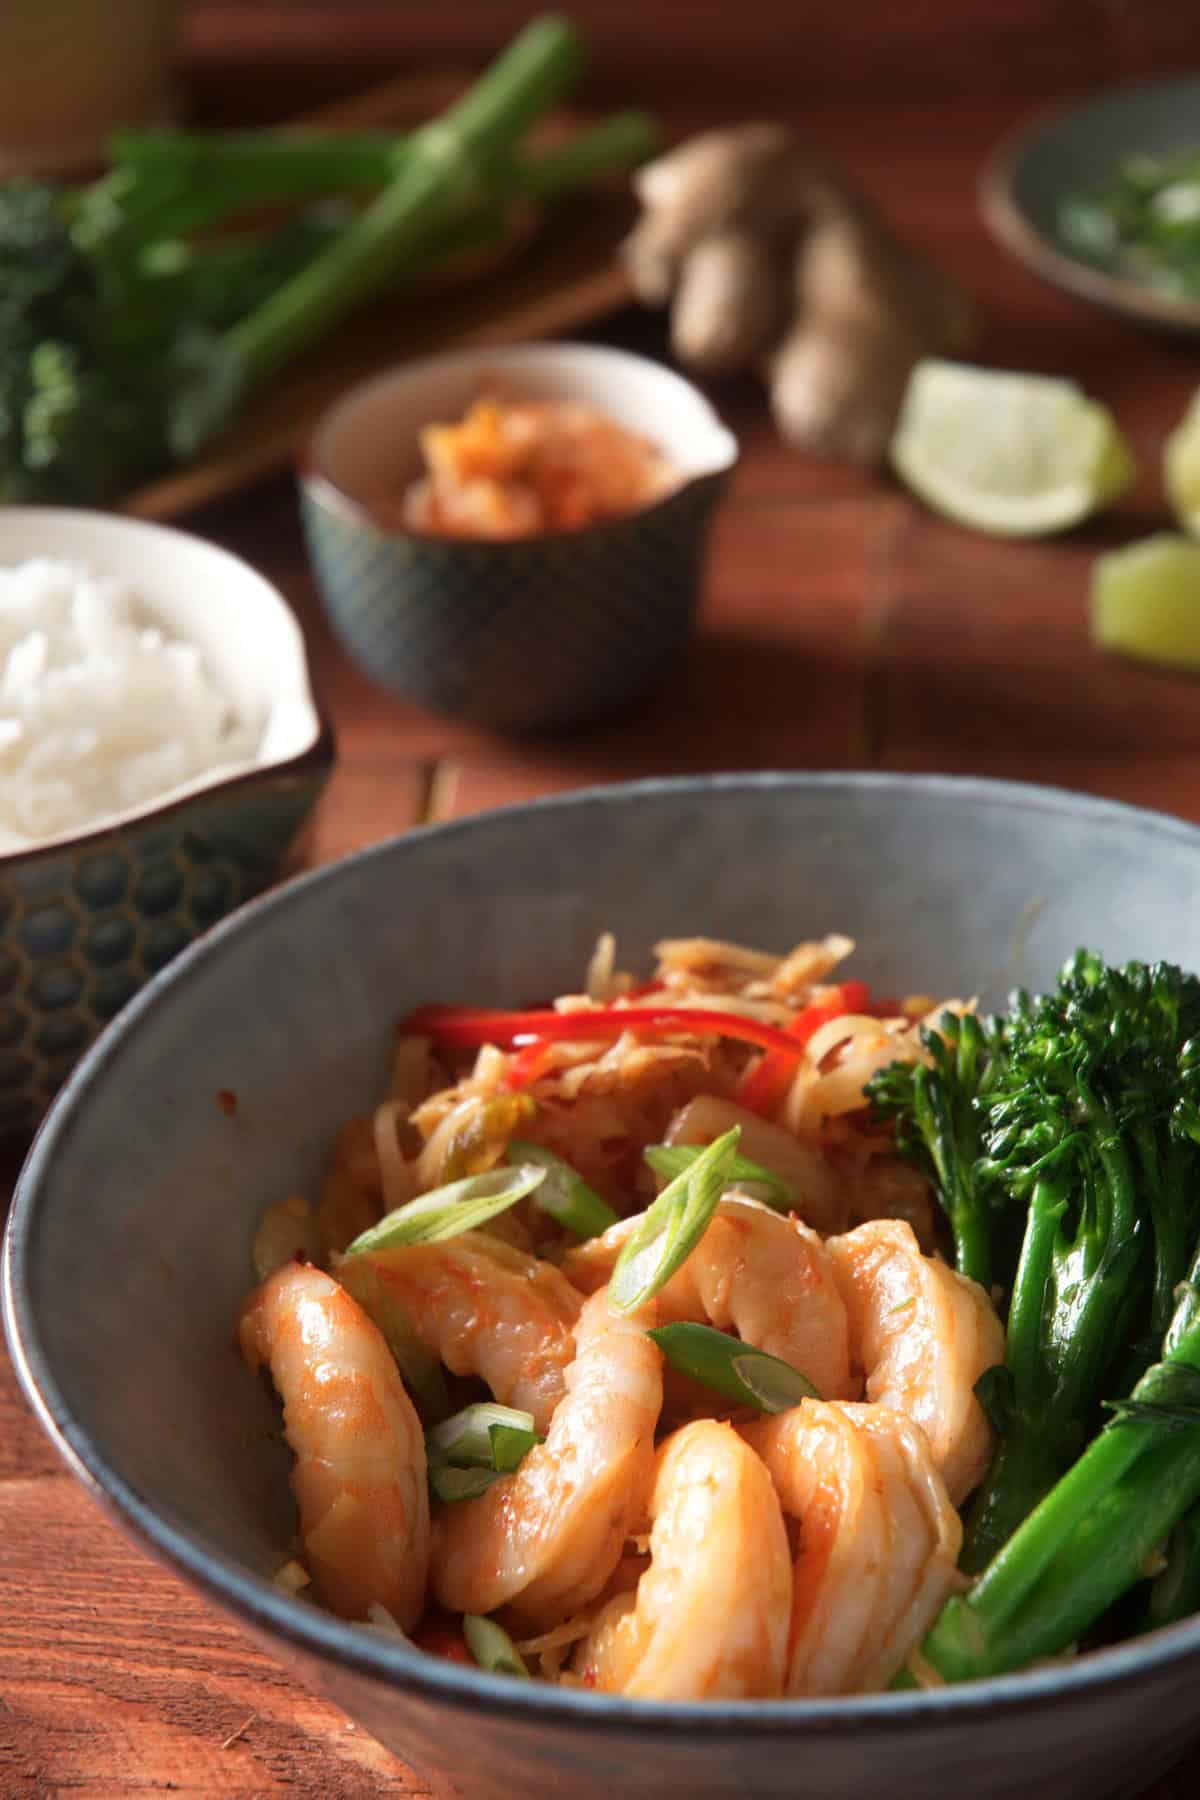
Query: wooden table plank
x=980 y=652
x=116 y=1679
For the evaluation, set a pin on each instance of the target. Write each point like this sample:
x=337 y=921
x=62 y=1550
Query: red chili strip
x=465 y=1028
x=767 y=1082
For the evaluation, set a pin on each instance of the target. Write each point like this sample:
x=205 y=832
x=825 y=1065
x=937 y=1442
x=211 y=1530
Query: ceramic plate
x=1058 y=155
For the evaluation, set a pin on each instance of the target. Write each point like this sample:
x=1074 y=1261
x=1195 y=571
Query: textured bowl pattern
x=528 y=634
x=534 y=634
x=950 y=886
x=82 y=928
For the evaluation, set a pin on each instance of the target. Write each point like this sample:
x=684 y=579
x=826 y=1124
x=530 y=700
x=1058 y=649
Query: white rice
x=100 y=711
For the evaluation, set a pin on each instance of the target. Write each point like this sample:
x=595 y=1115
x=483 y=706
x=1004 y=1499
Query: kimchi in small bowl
x=515 y=537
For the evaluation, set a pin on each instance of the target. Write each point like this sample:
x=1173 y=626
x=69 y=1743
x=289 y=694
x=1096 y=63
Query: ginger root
x=769 y=259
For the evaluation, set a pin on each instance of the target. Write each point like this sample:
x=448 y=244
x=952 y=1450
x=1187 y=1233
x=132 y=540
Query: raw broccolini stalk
x=1094 y=1535
x=935 y=1108
x=125 y=345
x=166 y=183
x=441 y=178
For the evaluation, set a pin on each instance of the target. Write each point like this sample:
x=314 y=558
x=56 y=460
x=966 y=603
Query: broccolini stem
x=1024 y=1465
x=1085 y=1545
x=440 y=179
x=1175 y=1593
x=262 y=167
x=1046 y=1207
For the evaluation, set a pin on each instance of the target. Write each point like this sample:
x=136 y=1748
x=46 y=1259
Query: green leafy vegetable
x=669 y=1160
x=939 y=1128
x=492 y=1647
x=1084 y=1127
x=672 y=1226
x=138 y=313
x=446 y=1212
x=743 y=1374
x=564 y=1195
x=1088 y=1123
x=1075 y=1120
x=1142 y=222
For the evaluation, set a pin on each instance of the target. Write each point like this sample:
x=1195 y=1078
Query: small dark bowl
x=1065 y=153
x=141 y=1195
x=522 y=634
x=88 y=917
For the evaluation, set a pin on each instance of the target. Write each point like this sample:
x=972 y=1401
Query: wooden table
x=842 y=628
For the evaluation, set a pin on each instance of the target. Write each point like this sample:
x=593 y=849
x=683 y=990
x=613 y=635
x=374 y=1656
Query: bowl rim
x=323 y=490
x=397 y=1665
x=319 y=753
x=1012 y=227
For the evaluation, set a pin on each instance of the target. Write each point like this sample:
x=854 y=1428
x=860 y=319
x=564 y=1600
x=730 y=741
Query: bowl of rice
x=159 y=747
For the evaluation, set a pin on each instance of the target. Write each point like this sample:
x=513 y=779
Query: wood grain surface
x=842 y=627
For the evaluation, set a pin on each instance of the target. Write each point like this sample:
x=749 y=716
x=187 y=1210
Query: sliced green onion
x=474 y=1448
x=423 y=1374
x=510 y=1446
x=492 y=1647
x=452 y=1484
x=565 y=1195
x=446 y=1212
x=669 y=1160
x=466 y=1439
x=672 y=1226
x=739 y=1371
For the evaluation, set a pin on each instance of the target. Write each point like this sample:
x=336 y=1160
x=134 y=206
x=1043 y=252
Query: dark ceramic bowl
x=87 y=917
x=133 y=1219
x=1062 y=154
x=523 y=634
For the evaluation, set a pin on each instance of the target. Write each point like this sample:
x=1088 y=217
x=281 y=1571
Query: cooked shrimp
x=487 y=1309
x=359 y=1477
x=756 y=1272
x=922 y=1336
x=878 y=1541
x=710 y=1615
x=546 y=1539
x=811 y=1178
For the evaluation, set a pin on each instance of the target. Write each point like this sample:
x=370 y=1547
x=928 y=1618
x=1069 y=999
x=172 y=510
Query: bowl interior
x=1071 y=153
x=143 y=1194
x=241 y=623
x=368 y=442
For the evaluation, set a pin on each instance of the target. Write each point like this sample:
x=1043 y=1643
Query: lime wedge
x=1146 y=601
x=1012 y=455
x=1181 y=469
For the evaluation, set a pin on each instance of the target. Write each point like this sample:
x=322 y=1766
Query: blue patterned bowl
x=86 y=919
x=527 y=634
x=143 y=1195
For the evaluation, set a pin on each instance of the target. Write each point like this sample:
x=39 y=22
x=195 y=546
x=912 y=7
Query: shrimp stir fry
x=633 y=1483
